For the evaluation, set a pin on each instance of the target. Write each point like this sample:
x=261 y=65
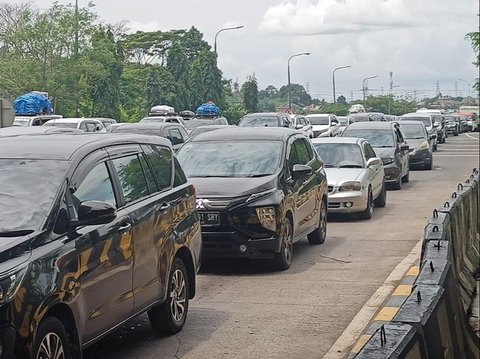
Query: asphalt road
x=243 y=310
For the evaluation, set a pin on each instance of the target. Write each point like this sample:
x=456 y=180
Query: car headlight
x=267 y=217
x=9 y=285
x=423 y=146
x=388 y=160
x=259 y=195
x=350 y=186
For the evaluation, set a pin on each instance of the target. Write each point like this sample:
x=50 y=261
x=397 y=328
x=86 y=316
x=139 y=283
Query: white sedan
x=355 y=175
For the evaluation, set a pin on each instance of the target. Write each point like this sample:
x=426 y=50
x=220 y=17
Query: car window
x=90 y=126
x=180 y=177
x=152 y=186
x=369 y=152
x=160 y=160
x=300 y=153
x=184 y=133
x=83 y=127
x=131 y=177
x=96 y=186
x=175 y=136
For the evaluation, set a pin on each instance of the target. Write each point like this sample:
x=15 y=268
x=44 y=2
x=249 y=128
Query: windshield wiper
x=350 y=166
x=257 y=175
x=211 y=176
x=8 y=234
x=385 y=146
x=328 y=166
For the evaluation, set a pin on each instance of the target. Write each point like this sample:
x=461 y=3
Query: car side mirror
x=436 y=125
x=334 y=122
x=375 y=161
x=404 y=147
x=299 y=127
x=301 y=171
x=95 y=212
x=433 y=136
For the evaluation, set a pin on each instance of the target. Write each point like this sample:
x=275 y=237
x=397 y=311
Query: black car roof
x=247 y=133
x=65 y=146
x=145 y=126
x=371 y=125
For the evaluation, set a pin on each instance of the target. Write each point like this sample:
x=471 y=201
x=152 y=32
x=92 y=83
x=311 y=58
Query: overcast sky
x=420 y=41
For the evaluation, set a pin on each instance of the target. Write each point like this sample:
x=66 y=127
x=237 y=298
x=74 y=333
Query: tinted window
x=319 y=120
x=160 y=160
x=180 y=177
x=96 y=186
x=175 y=136
x=152 y=186
x=369 y=151
x=132 y=180
x=413 y=131
x=305 y=151
x=259 y=121
x=377 y=138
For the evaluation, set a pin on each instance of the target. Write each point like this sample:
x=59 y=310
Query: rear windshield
x=262 y=121
x=62 y=124
x=377 y=138
x=426 y=120
x=319 y=120
x=412 y=131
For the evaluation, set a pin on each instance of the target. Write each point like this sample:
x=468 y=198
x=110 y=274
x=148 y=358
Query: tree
x=474 y=38
x=250 y=94
x=177 y=64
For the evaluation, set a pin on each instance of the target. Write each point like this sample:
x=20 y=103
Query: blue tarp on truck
x=33 y=103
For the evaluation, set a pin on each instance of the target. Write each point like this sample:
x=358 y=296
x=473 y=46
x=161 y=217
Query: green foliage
x=250 y=94
x=234 y=107
x=474 y=38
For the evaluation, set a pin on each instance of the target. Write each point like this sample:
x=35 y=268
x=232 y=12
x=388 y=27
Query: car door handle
x=125 y=227
x=164 y=207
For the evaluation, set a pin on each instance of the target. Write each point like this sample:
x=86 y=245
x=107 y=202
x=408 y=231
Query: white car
x=301 y=123
x=355 y=175
x=37 y=120
x=82 y=124
x=324 y=125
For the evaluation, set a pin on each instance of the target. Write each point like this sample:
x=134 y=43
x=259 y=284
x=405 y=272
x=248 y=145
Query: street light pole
x=221 y=30
x=288 y=77
x=333 y=77
x=363 y=84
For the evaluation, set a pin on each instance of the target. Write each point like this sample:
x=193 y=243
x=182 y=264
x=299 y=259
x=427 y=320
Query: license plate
x=209 y=219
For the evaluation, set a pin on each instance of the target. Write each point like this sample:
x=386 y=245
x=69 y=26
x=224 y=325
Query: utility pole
x=437 y=88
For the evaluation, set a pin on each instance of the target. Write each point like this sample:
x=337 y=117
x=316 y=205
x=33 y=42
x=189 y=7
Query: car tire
x=455 y=133
x=283 y=259
x=51 y=340
x=169 y=317
x=429 y=165
x=381 y=200
x=435 y=146
x=398 y=184
x=319 y=235
x=406 y=178
x=368 y=212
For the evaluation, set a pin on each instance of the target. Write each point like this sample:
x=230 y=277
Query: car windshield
x=27 y=191
x=343 y=121
x=22 y=122
x=62 y=124
x=230 y=159
x=153 y=119
x=263 y=121
x=340 y=155
x=361 y=117
x=377 y=138
x=426 y=120
x=319 y=120
x=413 y=131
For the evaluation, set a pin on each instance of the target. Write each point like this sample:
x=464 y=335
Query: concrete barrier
x=433 y=322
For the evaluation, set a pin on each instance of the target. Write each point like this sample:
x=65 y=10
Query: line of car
x=97 y=228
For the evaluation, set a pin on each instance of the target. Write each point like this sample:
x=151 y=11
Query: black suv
x=94 y=229
x=258 y=191
x=388 y=142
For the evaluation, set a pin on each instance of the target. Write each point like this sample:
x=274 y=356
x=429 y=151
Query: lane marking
x=386 y=314
x=470 y=136
x=414 y=270
x=358 y=324
x=403 y=290
x=459 y=155
x=361 y=342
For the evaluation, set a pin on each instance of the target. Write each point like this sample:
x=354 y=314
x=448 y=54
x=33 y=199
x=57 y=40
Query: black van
x=94 y=230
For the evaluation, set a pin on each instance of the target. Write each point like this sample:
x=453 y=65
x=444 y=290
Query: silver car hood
x=337 y=176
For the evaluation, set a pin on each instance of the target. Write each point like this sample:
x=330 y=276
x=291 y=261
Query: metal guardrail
x=433 y=322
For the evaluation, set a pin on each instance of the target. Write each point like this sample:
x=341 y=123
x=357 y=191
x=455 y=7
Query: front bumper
x=392 y=173
x=230 y=243
x=7 y=342
x=420 y=158
x=347 y=202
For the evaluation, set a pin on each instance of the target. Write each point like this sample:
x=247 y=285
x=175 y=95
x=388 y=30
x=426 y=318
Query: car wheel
x=435 y=146
x=381 y=200
x=283 y=259
x=368 y=212
x=398 y=184
x=51 y=340
x=169 y=317
x=429 y=165
x=455 y=133
x=406 y=178
x=319 y=235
